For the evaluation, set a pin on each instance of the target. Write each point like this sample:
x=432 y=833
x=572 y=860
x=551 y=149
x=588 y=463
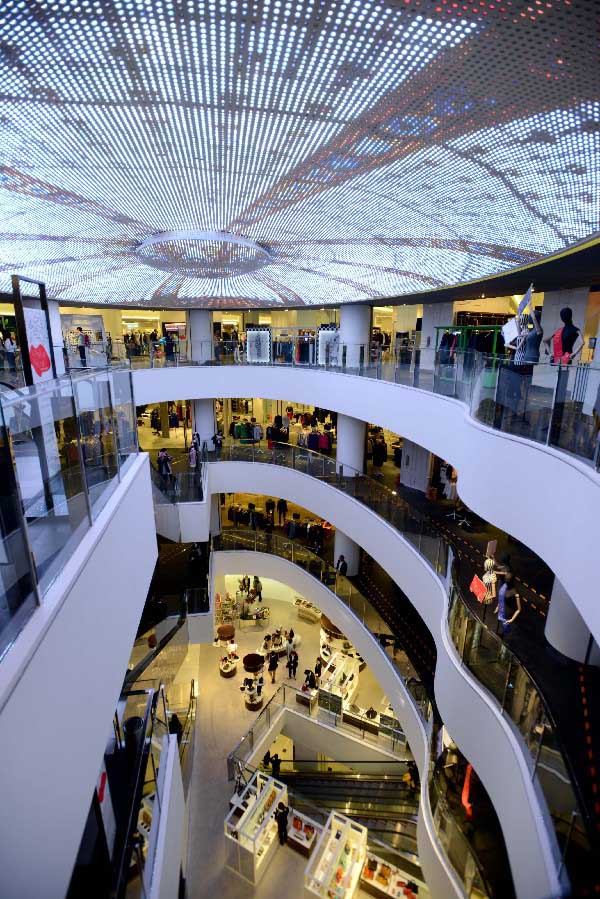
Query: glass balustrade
x=480 y=649
x=65 y=445
x=551 y=404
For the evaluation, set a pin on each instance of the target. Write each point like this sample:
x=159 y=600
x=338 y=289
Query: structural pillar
x=164 y=420
x=344 y=546
x=200 y=335
x=350 y=457
x=200 y=343
x=203 y=421
x=355 y=335
x=566 y=630
x=215 y=515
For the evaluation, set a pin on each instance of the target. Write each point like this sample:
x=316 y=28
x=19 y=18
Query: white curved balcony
x=440 y=876
x=508 y=480
x=484 y=734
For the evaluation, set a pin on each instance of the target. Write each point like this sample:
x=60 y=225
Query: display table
x=332 y=640
x=227 y=667
x=380 y=878
x=302 y=833
x=251 y=840
x=253 y=702
x=336 y=864
x=307 y=610
x=339 y=683
x=225 y=632
x=253 y=662
x=256 y=617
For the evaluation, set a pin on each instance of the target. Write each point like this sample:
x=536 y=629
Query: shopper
x=275 y=765
x=270 y=507
x=292 y=664
x=273 y=664
x=281 y=816
x=9 y=351
x=163 y=463
x=289 y=645
x=282 y=508
x=81 y=346
x=269 y=525
x=218 y=443
x=318 y=669
x=341 y=566
x=193 y=456
x=310 y=679
x=176 y=727
x=257 y=587
x=169 y=350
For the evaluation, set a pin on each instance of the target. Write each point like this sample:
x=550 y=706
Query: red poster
x=478 y=588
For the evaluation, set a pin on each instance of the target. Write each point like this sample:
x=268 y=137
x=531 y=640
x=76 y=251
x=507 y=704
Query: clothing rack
x=464 y=333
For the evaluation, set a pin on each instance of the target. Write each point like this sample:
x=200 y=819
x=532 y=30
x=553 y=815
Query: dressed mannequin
x=489 y=579
x=566 y=343
x=508 y=599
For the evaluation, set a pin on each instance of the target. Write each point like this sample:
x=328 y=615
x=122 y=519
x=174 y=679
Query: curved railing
x=463 y=857
x=555 y=405
x=524 y=707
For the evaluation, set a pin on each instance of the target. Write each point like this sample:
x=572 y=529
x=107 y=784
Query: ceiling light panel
x=362 y=148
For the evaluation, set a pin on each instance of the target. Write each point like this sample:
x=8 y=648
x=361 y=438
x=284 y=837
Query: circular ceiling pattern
x=203 y=254
x=326 y=151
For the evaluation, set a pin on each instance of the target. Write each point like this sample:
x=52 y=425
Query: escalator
x=382 y=803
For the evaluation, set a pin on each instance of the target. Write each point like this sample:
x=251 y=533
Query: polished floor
x=221 y=721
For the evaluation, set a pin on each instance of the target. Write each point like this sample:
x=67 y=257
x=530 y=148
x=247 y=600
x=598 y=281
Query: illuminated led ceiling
x=229 y=153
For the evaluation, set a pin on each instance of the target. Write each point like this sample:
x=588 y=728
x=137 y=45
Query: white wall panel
x=61 y=683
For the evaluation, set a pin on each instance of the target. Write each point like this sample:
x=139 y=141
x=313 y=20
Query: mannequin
x=566 y=343
x=489 y=579
x=507 y=595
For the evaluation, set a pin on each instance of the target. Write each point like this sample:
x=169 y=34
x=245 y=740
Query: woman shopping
x=273 y=664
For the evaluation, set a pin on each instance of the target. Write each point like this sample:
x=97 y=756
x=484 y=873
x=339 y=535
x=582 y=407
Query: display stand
x=257 y=617
x=338 y=683
x=227 y=667
x=303 y=833
x=225 y=609
x=307 y=610
x=251 y=840
x=336 y=864
x=380 y=878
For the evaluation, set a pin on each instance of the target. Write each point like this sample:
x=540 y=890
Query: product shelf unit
x=381 y=879
x=336 y=864
x=339 y=683
x=302 y=838
x=251 y=840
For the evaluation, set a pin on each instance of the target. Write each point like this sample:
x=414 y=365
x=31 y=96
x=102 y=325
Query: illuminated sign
x=235 y=154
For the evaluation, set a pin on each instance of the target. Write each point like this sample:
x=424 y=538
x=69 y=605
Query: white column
x=350 y=456
x=566 y=630
x=355 y=332
x=434 y=314
x=344 y=546
x=350 y=452
x=416 y=463
x=200 y=334
x=203 y=421
x=215 y=515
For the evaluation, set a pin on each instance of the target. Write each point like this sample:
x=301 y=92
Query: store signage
x=478 y=588
x=33 y=330
x=491 y=548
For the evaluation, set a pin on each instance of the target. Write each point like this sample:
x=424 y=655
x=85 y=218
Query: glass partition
x=97 y=435
x=554 y=404
x=62 y=444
